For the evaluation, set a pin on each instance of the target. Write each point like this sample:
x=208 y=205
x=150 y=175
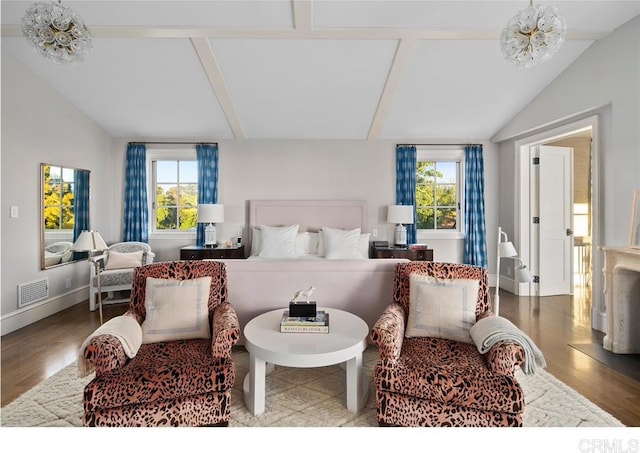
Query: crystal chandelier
x=56 y=32
x=533 y=35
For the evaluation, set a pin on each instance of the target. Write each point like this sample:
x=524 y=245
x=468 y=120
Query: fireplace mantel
x=622 y=299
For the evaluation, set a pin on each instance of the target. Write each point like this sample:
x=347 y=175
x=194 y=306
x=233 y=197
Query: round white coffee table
x=345 y=342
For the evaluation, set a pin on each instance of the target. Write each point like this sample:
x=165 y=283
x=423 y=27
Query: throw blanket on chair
x=494 y=329
x=124 y=328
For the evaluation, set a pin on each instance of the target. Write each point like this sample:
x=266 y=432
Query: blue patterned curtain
x=406 y=166
x=475 y=238
x=207 y=155
x=136 y=209
x=80 y=203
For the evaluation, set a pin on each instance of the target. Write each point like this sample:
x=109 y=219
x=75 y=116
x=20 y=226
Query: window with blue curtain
x=475 y=238
x=136 y=208
x=207 y=156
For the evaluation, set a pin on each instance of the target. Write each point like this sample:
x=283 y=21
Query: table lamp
x=400 y=215
x=210 y=214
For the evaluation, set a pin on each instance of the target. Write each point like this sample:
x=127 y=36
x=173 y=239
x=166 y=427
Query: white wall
x=39 y=126
x=604 y=81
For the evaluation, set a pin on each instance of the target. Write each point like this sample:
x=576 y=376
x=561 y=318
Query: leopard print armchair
x=172 y=383
x=428 y=381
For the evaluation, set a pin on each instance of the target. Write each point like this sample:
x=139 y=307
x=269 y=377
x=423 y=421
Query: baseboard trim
x=32 y=313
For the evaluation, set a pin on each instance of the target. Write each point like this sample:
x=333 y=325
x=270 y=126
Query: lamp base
x=400 y=236
x=210 y=236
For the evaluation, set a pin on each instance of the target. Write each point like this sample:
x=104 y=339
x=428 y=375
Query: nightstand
x=193 y=252
x=393 y=252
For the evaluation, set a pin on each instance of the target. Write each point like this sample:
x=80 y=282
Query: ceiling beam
x=10 y=31
x=404 y=50
x=209 y=63
x=303 y=15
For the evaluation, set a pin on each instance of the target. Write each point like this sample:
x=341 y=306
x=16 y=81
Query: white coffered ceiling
x=322 y=69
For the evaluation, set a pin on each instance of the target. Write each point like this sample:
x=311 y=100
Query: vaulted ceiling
x=281 y=69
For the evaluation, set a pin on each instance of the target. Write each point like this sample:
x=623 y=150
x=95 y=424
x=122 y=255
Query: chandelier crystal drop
x=56 y=32
x=533 y=35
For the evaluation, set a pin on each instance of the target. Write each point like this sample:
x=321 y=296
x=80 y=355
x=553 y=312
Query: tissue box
x=302 y=309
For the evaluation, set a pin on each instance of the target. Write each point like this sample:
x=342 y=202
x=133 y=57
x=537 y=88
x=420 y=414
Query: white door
x=555 y=231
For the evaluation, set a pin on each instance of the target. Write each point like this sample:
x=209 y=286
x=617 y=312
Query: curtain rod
x=439 y=144
x=174 y=143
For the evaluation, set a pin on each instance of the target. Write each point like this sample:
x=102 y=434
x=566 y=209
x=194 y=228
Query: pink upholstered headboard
x=311 y=215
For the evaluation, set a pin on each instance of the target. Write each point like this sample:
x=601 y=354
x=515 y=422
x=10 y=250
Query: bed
x=348 y=281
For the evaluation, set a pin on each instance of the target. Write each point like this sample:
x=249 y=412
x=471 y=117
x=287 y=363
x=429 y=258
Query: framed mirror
x=64 y=213
x=634 y=230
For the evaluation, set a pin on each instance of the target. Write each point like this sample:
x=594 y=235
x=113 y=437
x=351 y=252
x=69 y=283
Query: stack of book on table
x=317 y=324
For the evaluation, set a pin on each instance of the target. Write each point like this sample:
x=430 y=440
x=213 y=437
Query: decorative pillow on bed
x=302 y=243
x=119 y=260
x=443 y=308
x=342 y=244
x=176 y=309
x=363 y=244
x=278 y=242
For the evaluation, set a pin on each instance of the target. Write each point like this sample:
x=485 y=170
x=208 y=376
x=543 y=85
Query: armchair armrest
x=388 y=332
x=226 y=330
x=503 y=358
x=111 y=345
x=105 y=353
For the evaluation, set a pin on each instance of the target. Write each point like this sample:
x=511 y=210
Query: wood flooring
x=36 y=352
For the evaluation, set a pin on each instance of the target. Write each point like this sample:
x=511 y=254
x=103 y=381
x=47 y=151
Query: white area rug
x=304 y=397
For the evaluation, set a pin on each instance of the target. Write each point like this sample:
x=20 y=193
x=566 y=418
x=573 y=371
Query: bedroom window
x=439 y=190
x=174 y=194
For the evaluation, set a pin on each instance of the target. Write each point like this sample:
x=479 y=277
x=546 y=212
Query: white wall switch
x=374 y=233
x=14 y=212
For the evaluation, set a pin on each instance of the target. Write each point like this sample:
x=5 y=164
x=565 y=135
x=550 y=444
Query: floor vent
x=31 y=292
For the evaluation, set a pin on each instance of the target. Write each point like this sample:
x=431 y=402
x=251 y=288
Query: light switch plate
x=14 y=212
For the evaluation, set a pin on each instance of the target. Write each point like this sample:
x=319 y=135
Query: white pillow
x=301 y=243
x=313 y=242
x=278 y=242
x=255 y=241
x=118 y=260
x=342 y=244
x=363 y=245
x=176 y=309
x=443 y=308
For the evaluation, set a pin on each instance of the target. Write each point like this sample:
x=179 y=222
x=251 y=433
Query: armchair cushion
x=187 y=367
x=118 y=260
x=176 y=309
x=442 y=308
x=450 y=373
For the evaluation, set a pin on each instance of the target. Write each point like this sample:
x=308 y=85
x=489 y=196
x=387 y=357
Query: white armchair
x=118 y=279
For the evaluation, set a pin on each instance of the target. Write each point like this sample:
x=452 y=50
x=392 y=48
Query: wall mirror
x=64 y=211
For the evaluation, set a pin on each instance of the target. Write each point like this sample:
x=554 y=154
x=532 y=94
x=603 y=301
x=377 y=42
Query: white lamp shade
x=506 y=249
x=89 y=241
x=400 y=214
x=210 y=213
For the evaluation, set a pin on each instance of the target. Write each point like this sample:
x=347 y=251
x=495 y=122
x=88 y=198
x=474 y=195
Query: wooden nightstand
x=392 y=252
x=193 y=252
